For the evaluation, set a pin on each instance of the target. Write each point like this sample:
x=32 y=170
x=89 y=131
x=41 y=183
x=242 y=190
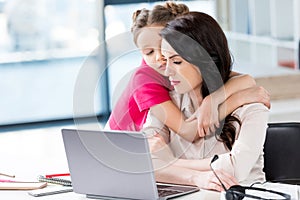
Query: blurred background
x=47 y=47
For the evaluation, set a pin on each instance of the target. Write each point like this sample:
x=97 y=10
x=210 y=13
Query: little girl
x=148 y=88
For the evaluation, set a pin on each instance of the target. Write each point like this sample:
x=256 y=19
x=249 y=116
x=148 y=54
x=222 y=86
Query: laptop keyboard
x=164 y=191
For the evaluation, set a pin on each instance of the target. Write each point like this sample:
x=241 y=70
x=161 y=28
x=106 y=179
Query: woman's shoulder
x=250 y=108
x=253 y=116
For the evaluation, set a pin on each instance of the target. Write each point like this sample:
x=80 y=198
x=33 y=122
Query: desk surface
x=30 y=153
x=23 y=195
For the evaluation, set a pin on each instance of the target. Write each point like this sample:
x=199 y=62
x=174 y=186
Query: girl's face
x=149 y=41
x=184 y=76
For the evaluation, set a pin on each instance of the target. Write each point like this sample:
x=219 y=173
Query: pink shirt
x=145 y=89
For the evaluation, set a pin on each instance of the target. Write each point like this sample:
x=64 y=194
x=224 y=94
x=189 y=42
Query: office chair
x=281 y=153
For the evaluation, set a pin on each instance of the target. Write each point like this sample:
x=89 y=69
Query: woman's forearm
x=199 y=164
x=175 y=174
x=202 y=179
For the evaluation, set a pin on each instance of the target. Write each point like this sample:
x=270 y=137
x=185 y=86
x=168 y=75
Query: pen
x=11 y=176
x=5 y=181
x=56 y=175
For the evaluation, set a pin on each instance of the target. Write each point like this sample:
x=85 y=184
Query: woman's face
x=149 y=41
x=184 y=76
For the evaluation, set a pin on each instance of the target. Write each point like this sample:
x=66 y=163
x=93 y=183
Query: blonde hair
x=160 y=15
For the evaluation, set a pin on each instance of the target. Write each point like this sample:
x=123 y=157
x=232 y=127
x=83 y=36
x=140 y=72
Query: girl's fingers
x=207 y=130
x=201 y=132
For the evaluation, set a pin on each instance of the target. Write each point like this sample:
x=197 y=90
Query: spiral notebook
x=58 y=181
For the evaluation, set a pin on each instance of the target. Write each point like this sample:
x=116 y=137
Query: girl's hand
x=255 y=94
x=208 y=180
x=208 y=116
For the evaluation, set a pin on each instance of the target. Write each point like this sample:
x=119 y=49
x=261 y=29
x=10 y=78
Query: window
x=48 y=47
x=44 y=46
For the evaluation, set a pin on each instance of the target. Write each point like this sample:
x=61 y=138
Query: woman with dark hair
x=199 y=63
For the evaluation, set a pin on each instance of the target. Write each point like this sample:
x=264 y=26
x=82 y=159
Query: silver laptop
x=115 y=165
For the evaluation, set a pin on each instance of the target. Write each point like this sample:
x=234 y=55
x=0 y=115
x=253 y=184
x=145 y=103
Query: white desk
x=30 y=153
x=22 y=195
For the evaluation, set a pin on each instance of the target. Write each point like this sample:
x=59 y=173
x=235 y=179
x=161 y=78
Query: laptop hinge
x=93 y=196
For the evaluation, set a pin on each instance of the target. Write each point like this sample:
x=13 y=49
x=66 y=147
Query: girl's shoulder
x=146 y=75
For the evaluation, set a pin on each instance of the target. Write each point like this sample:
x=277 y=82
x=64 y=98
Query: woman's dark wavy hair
x=199 y=39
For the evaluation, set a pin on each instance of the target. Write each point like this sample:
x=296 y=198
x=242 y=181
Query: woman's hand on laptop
x=208 y=180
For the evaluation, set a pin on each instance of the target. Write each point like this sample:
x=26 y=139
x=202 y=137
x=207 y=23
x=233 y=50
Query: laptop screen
x=109 y=163
x=114 y=164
